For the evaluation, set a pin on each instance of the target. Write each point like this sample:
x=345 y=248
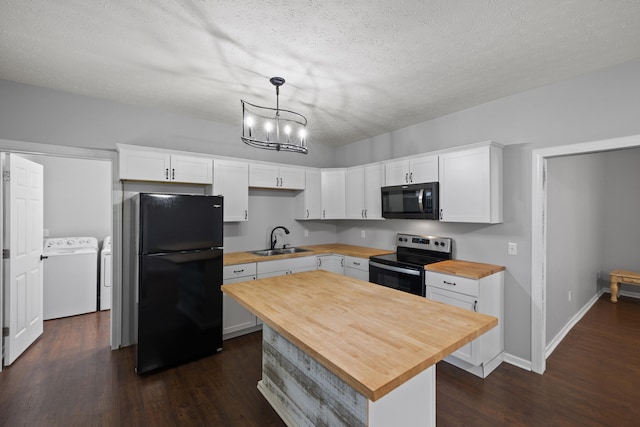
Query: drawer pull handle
x=475 y=306
x=449 y=283
x=238 y=271
x=356 y=263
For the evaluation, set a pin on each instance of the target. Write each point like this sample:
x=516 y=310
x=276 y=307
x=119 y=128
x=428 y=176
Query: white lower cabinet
x=237 y=320
x=357 y=268
x=331 y=262
x=486 y=295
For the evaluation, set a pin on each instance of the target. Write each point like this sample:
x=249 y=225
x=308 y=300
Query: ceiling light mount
x=274 y=128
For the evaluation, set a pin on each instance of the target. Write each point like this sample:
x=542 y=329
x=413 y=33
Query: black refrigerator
x=179 y=272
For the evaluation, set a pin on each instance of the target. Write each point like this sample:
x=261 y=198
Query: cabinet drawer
x=287 y=264
x=239 y=270
x=462 y=285
x=358 y=263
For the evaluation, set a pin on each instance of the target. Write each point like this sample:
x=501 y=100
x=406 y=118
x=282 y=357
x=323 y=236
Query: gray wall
x=34 y=114
x=77 y=196
x=591 y=107
x=621 y=224
x=575 y=232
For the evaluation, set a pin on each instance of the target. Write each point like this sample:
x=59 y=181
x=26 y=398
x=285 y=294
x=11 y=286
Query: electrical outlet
x=45 y=232
x=512 y=249
x=569 y=296
x=362 y=234
x=306 y=233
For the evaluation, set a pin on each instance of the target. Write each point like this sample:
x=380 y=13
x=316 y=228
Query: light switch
x=512 y=249
x=362 y=234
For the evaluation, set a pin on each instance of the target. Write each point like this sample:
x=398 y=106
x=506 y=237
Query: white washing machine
x=70 y=276
x=105 y=274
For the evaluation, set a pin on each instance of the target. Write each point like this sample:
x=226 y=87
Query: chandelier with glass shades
x=274 y=128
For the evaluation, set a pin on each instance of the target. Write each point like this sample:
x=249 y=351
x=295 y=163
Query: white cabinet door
x=191 y=169
x=397 y=172
x=333 y=193
x=235 y=317
x=373 y=179
x=469 y=352
x=471 y=185
x=423 y=169
x=152 y=165
x=415 y=170
x=334 y=263
x=292 y=178
x=355 y=196
x=273 y=176
x=362 y=199
x=308 y=203
x=263 y=175
x=144 y=165
x=231 y=179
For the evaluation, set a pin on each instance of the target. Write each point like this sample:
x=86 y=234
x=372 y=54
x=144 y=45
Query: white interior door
x=22 y=281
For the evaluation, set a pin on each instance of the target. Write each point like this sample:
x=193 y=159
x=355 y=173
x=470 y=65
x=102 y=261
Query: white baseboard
x=622 y=292
x=564 y=331
x=517 y=361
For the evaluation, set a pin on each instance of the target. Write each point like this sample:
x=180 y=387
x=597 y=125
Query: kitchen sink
x=272 y=252
x=292 y=250
x=266 y=252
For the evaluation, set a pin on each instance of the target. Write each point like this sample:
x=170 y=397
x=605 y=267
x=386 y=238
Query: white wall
x=77 y=196
x=575 y=220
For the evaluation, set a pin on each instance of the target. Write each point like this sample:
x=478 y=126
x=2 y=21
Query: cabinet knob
x=246 y=214
x=440 y=213
x=324 y=213
x=166 y=173
x=365 y=213
x=411 y=177
x=173 y=174
x=307 y=213
x=406 y=177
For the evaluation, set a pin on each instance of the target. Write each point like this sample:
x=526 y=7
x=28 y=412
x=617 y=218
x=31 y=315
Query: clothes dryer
x=105 y=274
x=70 y=276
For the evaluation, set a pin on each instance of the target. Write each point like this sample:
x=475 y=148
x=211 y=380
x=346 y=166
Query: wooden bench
x=622 y=276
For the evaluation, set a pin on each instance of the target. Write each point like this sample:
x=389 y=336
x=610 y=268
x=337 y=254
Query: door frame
x=539 y=159
x=21 y=147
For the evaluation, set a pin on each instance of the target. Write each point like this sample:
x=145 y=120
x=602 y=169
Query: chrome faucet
x=274 y=240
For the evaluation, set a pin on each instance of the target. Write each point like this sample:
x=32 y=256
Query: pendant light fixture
x=274 y=128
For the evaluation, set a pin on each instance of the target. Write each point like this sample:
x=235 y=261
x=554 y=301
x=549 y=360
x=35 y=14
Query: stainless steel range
x=404 y=269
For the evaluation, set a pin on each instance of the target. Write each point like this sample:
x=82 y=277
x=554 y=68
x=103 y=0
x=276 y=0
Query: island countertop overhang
x=374 y=338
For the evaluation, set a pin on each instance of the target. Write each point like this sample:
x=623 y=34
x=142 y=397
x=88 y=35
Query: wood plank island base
x=341 y=351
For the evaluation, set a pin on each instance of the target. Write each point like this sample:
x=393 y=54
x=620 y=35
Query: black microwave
x=411 y=201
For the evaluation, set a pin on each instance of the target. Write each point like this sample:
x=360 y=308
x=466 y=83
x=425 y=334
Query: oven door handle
x=396 y=269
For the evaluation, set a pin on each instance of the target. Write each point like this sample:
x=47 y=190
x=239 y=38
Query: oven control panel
x=430 y=243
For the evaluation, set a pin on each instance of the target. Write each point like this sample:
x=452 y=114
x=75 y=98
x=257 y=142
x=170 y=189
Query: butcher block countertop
x=234 y=258
x=374 y=338
x=468 y=269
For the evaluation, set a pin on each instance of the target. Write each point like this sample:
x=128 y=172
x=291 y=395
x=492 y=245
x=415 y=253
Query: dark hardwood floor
x=71 y=377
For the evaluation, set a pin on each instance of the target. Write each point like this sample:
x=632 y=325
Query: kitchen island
x=340 y=351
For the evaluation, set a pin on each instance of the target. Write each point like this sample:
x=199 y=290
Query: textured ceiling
x=355 y=68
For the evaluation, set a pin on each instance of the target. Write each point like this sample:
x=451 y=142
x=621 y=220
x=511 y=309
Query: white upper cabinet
x=363 y=185
x=307 y=203
x=265 y=175
x=158 y=165
x=231 y=180
x=471 y=185
x=332 y=182
x=415 y=170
